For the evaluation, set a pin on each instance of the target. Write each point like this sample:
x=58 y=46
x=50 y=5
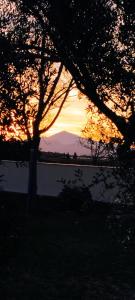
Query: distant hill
x=63 y=142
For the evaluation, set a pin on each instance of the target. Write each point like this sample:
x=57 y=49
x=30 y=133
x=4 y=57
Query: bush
x=76 y=198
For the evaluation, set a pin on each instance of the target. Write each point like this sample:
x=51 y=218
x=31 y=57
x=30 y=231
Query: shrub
x=76 y=197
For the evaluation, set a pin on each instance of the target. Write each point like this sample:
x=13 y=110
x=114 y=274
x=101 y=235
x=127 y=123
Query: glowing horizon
x=73 y=117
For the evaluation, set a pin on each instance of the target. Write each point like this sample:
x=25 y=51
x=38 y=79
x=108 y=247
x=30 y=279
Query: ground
x=55 y=254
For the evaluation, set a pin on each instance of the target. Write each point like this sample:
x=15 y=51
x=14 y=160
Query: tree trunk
x=32 y=180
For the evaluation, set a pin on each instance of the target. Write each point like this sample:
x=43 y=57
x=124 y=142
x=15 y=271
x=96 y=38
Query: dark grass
x=58 y=254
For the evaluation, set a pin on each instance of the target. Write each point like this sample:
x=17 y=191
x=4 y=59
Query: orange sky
x=73 y=116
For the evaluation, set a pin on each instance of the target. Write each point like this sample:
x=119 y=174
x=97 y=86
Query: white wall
x=16 y=177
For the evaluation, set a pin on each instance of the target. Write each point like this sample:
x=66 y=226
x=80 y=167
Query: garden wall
x=15 y=178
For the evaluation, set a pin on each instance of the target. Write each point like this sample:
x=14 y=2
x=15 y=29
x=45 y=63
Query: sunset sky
x=73 y=116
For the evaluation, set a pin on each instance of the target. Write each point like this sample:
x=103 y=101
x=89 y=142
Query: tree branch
x=45 y=129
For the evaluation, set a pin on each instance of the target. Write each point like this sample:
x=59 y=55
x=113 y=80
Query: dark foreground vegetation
x=56 y=253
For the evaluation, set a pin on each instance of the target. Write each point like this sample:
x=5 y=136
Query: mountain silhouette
x=63 y=142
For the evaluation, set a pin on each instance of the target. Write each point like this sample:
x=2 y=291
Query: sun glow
x=73 y=117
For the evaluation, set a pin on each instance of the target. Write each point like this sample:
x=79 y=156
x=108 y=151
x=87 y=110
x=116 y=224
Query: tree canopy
x=95 y=41
x=32 y=92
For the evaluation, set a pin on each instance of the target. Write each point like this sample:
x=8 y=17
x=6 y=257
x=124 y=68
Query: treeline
x=14 y=150
x=20 y=151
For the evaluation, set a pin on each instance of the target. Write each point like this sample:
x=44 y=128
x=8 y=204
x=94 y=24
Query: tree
x=99 y=127
x=32 y=92
x=101 y=136
x=95 y=41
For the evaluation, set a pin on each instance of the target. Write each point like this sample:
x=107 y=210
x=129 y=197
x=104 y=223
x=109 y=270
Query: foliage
x=124 y=174
x=32 y=93
x=99 y=127
x=75 y=194
x=100 y=151
x=119 y=176
x=15 y=150
x=95 y=41
x=77 y=257
x=121 y=224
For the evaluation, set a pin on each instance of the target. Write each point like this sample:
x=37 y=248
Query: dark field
x=59 y=254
